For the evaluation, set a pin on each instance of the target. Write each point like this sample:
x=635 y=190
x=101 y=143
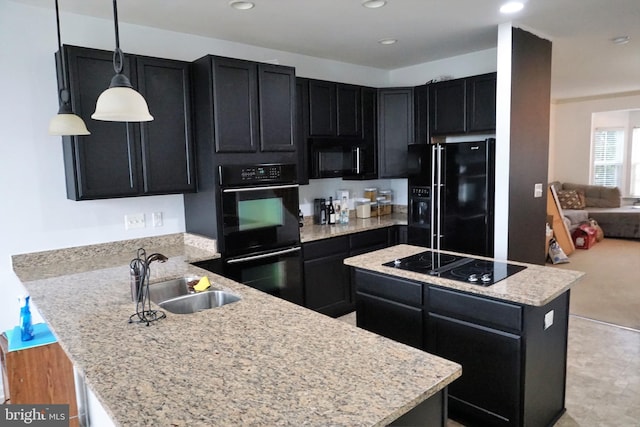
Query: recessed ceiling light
x=373 y=4
x=620 y=40
x=241 y=5
x=512 y=7
x=387 y=41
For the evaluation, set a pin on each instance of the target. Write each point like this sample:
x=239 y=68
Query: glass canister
x=374 y=209
x=363 y=208
x=371 y=193
x=384 y=207
x=387 y=194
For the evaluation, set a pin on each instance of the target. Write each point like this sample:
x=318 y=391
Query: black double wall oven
x=260 y=229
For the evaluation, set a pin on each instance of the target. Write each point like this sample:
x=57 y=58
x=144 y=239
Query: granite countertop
x=259 y=361
x=536 y=285
x=311 y=232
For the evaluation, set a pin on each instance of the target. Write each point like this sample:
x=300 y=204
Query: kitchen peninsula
x=510 y=337
x=258 y=361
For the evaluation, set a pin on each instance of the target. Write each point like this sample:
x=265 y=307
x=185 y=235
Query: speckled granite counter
x=259 y=361
x=535 y=285
x=311 y=232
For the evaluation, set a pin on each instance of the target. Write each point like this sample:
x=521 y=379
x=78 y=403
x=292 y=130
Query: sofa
x=581 y=202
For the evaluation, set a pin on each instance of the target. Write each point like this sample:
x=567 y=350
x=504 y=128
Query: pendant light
x=65 y=122
x=120 y=102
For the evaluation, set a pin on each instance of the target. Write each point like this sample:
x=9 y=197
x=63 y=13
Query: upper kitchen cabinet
x=334 y=109
x=129 y=159
x=463 y=105
x=395 y=131
x=481 y=103
x=251 y=105
x=302 y=128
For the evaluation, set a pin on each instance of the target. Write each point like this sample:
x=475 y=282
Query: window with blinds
x=608 y=157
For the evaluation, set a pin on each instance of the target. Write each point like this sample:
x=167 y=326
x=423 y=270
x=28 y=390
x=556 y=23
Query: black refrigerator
x=451 y=196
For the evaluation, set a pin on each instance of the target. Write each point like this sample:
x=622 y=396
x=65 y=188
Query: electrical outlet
x=156 y=218
x=134 y=221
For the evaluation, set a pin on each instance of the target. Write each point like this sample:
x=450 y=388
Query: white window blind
x=608 y=156
x=635 y=163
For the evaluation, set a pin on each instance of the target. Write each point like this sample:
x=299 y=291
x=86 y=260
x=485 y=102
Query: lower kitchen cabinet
x=326 y=278
x=39 y=375
x=513 y=356
x=328 y=287
x=389 y=307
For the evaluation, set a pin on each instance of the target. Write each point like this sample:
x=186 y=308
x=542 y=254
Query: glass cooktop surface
x=464 y=269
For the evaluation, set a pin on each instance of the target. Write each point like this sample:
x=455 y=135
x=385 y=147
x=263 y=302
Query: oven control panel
x=244 y=175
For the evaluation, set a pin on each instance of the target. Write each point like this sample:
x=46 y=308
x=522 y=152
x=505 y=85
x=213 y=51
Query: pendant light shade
x=120 y=102
x=65 y=122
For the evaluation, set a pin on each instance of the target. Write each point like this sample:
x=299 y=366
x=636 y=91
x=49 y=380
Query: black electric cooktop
x=464 y=269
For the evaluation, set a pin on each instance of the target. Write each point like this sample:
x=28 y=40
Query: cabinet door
x=421 y=114
x=447 y=107
x=390 y=319
x=276 y=85
x=167 y=147
x=348 y=110
x=369 y=131
x=327 y=285
x=302 y=129
x=235 y=99
x=489 y=389
x=481 y=102
x=322 y=108
x=107 y=162
x=395 y=131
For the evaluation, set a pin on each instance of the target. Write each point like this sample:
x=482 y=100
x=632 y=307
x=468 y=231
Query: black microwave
x=339 y=158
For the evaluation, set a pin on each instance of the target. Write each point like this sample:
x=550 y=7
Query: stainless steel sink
x=199 y=301
x=163 y=291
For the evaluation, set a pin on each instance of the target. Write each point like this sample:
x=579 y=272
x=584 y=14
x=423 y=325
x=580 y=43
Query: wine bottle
x=332 y=211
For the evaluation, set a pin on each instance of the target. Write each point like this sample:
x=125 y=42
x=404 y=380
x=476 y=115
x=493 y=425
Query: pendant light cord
x=63 y=93
x=118 y=60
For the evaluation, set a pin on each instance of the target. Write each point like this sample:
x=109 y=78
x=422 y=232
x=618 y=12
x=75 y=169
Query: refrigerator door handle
x=439 y=216
x=434 y=195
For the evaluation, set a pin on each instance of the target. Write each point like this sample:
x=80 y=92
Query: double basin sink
x=176 y=297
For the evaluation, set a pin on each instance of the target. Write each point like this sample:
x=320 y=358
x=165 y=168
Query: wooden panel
x=40 y=375
x=560 y=230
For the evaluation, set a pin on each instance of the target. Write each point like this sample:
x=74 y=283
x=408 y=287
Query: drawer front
x=391 y=288
x=326 y=247
x=479 y=310
x=372 y=238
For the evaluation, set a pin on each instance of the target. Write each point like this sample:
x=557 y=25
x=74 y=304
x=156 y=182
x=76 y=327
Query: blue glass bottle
x=26 y=328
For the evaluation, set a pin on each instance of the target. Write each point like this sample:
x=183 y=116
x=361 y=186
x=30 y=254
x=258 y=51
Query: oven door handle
x=262 y=256
x=273 y=187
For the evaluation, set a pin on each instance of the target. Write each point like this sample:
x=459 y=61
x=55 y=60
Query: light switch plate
x=537 y=190
x=548 y=320
x=156 y=218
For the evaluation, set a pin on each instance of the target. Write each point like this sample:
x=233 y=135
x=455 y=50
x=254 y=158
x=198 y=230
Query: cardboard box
x=584 y=236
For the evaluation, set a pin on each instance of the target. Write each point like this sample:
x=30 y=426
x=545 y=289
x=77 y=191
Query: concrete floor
x=603 y=375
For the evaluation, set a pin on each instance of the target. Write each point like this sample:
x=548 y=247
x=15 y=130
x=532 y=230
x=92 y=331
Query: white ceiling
x=585 y=61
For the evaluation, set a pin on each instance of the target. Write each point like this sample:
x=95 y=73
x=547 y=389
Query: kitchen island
x=510 y=337
x=258 y=361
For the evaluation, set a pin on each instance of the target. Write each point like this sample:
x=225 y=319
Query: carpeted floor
x=610 y=290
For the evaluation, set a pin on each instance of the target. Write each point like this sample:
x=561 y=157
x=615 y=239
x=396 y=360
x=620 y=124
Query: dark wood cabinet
x=421 y=114
x=302 y=129
x=389 y=307
x=253 y=106
x=326 y=278
x=513 y=356
x=334 y=109
x=395 y=131
x=481 y=102
x=129 y=159
x=462 y=105
x=277 y=88
x=235 y=105
x=447 y=107
x=167 y=149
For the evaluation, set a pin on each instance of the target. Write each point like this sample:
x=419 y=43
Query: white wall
x=570 y=139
